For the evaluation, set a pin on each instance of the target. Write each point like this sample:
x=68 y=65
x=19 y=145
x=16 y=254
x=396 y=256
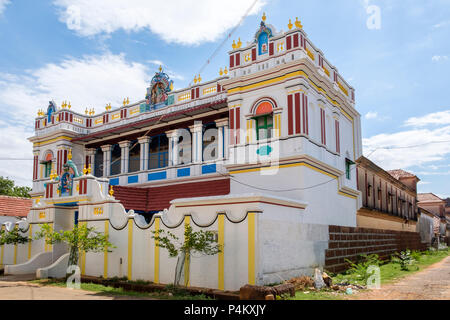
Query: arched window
x=263 y=115
x=263 y=43
x=47 y=163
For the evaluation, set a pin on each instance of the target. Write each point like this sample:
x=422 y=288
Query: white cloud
x=185 y=22
x=441 y=24
x=439 y=58
x=3 y=4
x=92 y=81
x=408 y=148
x=16 y=152
x=437 y=118
x=371 y=115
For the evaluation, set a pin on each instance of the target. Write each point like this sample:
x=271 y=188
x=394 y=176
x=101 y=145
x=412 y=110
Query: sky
x=396 y=54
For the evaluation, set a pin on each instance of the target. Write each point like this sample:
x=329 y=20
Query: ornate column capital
x=144 y=139
x=222 y=122
x=124 y=144
x=106 y=148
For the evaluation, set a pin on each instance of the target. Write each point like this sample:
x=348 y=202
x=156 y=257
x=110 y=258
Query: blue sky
x=96 y=52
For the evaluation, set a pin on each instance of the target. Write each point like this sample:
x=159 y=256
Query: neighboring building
x=432 y=203
x=428 y=225
x=388 y=197
x=14 y=209
x=436 y=205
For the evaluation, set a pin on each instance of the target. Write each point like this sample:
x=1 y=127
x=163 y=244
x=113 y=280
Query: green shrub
x=360 y=269
x=403 y=258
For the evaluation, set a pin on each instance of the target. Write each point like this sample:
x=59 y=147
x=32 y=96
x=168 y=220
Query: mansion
x=268 y=157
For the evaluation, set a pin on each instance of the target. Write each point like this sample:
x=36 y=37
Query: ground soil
x=433 y=283
x=19 y=288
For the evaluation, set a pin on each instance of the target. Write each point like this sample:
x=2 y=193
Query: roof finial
x=264 y=17
x=111 y=191
x=234 y=45
x=290 y=25
x=160 y=68
x=298 y=24
x=239 y=44
x=221 y=72
x=69 y=157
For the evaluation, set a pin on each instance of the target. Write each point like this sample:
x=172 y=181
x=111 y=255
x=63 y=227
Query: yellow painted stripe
x=37 y=144
x=299 y=164
x=251 y=248
x=50 y=246
x=282 y=78
x=187 y=221
x=221 y=236
x=83 y=259
x=130 y=248
x=30 y=242
x=156 y=280
x=105 y=257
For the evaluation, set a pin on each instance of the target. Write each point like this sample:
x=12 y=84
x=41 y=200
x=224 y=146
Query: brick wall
x=349 y=243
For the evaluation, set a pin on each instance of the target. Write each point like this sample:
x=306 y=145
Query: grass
x=389 y=272
x=111 y=291
x=392 y=271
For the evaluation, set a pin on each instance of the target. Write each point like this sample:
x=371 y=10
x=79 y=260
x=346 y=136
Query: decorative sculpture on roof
x=160 y=86
x=70 y=171
x=262 y=38
x=50 y=110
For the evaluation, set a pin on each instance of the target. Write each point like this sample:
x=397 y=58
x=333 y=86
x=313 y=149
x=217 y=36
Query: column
x=106 y=160
x=125 y=156
x=144 y=152
x=197 y=142
x=35 y=164
x=222 y=128
x=277 y=122
x=91 y=154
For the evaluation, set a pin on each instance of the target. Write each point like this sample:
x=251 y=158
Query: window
x=98 y=163
x=116 y=154
x=134 y=157
x=264 y=127
x=47 y=168
x=159 y=152
x=348 y=166
x=210 y=143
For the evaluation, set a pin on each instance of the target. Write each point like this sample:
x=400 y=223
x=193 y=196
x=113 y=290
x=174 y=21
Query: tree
x=80 y=238
x=13 y=237
x=8 y=188
x=202 y=242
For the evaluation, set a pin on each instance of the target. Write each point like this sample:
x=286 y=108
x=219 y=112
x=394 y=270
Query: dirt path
x=17 y=288
x=433 y=283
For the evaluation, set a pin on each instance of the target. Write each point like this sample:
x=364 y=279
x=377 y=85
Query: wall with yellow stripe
x=138 y=258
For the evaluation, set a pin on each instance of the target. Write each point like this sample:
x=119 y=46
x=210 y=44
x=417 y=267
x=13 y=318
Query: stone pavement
x=433 y=283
